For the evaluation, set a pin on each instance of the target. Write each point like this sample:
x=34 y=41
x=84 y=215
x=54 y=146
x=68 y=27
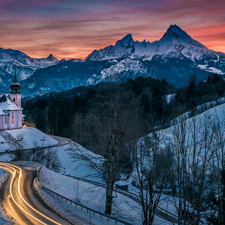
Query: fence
x=131 y=196
x=80 y=205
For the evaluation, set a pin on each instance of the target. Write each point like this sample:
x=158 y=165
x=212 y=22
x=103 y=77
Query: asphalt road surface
x=19 y=201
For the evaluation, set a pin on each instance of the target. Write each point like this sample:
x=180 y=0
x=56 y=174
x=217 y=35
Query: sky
x=73 y=29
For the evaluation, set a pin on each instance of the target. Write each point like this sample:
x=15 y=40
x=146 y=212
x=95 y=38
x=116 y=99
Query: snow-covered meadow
x=93 y=196
x=3 y=217
x=80 y=169
x=24 y=138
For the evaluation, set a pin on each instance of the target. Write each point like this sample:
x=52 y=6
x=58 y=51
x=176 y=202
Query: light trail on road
x=12 y=194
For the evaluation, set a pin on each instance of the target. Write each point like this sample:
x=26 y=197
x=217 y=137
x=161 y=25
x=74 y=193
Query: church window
x=12 y=118
x=14 y=99
x=6 y=120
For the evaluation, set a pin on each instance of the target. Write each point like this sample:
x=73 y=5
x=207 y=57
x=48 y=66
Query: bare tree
x=48 y=157
x=20 y=145
x=192 y=143
x=77 y=192
x=178 y=143
x=202 y=150
x=219 y=166
x=151 y=176
x=109 y=130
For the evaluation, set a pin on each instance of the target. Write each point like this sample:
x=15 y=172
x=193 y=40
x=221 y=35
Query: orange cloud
x=73 y=29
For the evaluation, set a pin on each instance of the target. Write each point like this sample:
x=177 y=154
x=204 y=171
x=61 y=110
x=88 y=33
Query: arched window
x=6 y=120
x=12 y=118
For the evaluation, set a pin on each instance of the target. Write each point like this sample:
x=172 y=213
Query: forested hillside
x=143 y=101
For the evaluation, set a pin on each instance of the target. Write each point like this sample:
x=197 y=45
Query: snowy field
x=215 y=114
x=203 y=108
x=88 y=194
x=3 y=217
x=75 y=167
x=92 y=196
x=6 y=157
x=3 y=144
x=24 y=138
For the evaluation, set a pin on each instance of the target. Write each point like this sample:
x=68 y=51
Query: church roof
x=2 y=113
x=15 y=80
x=6 y=104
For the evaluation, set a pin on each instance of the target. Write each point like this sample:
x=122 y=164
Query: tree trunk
x=109 y=198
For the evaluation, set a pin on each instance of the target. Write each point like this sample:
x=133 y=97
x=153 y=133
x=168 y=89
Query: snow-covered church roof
x=6 y=104
x=2 y=113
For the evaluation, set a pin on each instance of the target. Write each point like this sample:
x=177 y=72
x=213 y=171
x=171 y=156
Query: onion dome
x=15 y=86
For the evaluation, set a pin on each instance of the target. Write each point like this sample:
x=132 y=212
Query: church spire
x=15 y=80
x=15 y=86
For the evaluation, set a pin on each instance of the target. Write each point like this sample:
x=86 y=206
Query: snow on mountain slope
x=175 y=43
x=122 y=48
x=174 y=57
x=214 y=115
x=130 y=69
x=26 y=65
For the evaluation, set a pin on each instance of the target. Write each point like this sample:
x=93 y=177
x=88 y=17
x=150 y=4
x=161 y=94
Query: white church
x=10 y=107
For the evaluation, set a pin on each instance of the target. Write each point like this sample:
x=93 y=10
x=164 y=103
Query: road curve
x=19 y=201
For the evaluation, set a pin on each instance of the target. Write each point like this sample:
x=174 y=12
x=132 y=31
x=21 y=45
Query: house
x=10 y=107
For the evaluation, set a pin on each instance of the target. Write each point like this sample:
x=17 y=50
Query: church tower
x=15 y=94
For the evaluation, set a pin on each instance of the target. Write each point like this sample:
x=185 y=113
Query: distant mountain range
x=25 y=65
x=174 y=57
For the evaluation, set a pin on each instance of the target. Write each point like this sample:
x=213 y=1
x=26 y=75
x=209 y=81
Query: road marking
x=20 y=175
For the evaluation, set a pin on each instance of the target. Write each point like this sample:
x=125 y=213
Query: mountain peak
x=51 y=57
x=175 y=32
x=126 y=41
x=174 y=28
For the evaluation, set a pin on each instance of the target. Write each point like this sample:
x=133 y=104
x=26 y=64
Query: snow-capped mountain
x=25 y=65
x=175 y=43
x=174 y=57
x=176 y=50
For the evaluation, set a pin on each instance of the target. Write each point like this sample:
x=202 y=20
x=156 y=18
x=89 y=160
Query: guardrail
x=127 y=194
x=80 y=205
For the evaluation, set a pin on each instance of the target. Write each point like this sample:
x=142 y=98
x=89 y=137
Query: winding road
x=19 y=201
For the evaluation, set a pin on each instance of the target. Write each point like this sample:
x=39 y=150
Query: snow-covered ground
x=92 y=196
x=3 y=217
x=217 y=112
x=170 y=97
x=24 y=138
x=201 y=109
x=79 y=168
x=3 y=144
x=75 y=167
x=6 y=158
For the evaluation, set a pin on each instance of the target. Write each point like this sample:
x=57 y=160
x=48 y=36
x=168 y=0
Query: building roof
x=2 y=113
x=121 y=183
x=15 y=80
x=6 y=104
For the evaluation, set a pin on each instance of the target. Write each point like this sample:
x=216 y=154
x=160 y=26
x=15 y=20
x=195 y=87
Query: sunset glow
x=73 y=29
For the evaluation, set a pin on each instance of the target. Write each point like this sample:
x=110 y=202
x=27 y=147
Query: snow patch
x=27 y=137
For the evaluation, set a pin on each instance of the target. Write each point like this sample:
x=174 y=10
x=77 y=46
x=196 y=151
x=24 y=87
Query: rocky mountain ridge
x=175 y=57
x=175 y=44
x=25 y=65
